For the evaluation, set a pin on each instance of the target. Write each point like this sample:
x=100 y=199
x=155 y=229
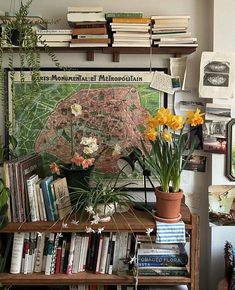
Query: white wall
x=194 y=184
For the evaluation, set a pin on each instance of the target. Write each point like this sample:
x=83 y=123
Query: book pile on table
x=54 y=37
x=129 y=29
x=88 y=27
x=161 y=259
x=172 y=31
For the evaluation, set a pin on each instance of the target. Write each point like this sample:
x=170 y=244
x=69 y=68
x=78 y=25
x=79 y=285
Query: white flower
x=89 y=209
x=149 y=231
x=95 y=220
x=76 y=109
x=88 y=141
x=73 y=222
x=100 y=230
x=60 y=235
x=89 y=230
x=117 y=150
x=39 y=234
x=64 y=225
x=132 y=260
x=87 y=150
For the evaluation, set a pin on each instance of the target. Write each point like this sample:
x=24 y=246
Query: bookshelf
x=136 y=221
x=117 y=51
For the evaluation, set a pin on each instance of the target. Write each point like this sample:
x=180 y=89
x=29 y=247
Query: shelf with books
x=88 y=278
x=135 y=220
x=116 y=51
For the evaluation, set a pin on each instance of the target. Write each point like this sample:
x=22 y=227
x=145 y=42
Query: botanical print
x=110 y=106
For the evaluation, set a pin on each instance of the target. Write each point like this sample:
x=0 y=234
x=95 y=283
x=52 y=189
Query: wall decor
x=230 y=156
x=216 y=75
x=114 y=105
x=222 y=204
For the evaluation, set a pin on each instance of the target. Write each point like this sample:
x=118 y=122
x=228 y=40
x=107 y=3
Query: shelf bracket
x=90 y=56
x=116 y=56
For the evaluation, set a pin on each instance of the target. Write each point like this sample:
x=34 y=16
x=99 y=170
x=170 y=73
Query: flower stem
x=72 y=138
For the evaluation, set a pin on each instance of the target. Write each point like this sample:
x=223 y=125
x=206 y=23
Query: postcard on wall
x=217 y=75
x=165 y=83
x=178 y=67
x=222 y=204
x=114 y=106
x=195 y=162
x=214 y=137
x=218 y=112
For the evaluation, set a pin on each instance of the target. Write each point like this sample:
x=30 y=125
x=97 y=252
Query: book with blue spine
x=48 y=199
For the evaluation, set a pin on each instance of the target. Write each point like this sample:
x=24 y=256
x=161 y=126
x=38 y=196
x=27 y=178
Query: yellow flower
x=166 y=135
x=162 y=116
x=152 y=122
x=150 y=134
x=176 y=122
x=194 y=118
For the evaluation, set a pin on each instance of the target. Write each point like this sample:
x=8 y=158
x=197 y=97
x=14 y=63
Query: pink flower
x=55 y=168
x=77 y=159
x=87 y=162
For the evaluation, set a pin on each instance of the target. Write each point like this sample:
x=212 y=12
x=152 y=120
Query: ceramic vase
x=168 y=205
x=105 y=211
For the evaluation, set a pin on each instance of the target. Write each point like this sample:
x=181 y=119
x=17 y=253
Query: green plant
x=102 y=191
x=18 y=30
x=169 y=140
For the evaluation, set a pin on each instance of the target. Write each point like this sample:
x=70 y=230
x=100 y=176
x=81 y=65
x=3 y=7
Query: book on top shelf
x=90 y=40
x=170 y=17
x=124 y=14
x=55 y=31
x=88 y=44
x=87 y=36
x=131 y=20
x=80 y=17
x=90 y=30
x=72 y=9
x=54 y=44
x=55 y=37
x=178 y=45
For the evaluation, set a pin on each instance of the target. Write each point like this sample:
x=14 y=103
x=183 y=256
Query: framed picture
x=115 y=104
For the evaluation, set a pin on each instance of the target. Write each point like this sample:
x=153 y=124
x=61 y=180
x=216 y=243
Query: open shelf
x=88 y=278
x=116 y=51
x=135 y=220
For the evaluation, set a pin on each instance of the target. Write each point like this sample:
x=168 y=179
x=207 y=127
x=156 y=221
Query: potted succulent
x=170 y=140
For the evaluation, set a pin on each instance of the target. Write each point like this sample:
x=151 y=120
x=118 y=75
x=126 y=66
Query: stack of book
x=129 y=29
x=32 y=197
x=172 y=31
x=161 y=259
x=54 y=253
x=88 y=27
x=54 y=38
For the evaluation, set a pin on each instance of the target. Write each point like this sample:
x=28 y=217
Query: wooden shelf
x=116 y=51
x=134 y=220
x=88 y=278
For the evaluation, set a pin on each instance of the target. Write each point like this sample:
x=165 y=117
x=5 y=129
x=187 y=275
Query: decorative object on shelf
x=18 y=31
x=170 y=140
x=102 y=199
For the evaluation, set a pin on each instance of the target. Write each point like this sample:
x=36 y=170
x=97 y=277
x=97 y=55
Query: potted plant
x=102 y=199
x=18 y=32
x=169 y=139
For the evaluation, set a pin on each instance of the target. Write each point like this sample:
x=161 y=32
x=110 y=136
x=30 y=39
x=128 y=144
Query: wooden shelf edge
x=88 y=278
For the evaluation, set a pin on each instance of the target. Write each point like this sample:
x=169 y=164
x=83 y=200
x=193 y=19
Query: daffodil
x=194 y=118
x=150 y=134
x=162 y=116
x=166 y=135
x=164 y=159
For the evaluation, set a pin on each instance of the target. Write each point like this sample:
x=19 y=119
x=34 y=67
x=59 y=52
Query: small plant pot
x=15 y=37
x=168 y=205
x=105 y=211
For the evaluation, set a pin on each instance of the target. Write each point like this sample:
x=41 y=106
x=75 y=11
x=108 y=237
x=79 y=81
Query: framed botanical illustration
x=114 y=106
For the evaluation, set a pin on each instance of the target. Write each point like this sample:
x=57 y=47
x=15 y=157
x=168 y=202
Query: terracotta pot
x=168 y=205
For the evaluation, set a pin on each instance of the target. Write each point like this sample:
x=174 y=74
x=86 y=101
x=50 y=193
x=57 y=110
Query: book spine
x=77 y=252
x=39 y=253
x=63 y=255
x=124 y=14
x=90 y=40
x=131 y=20
x=58 y=260
x=71 y=254
x=92 y=30
x=104 y=255
x=158 y=260
x=54 y=31
x=97 y=270
x=53 y=260
x=50 y=247
x=110 y=269
x=47 y=201
x=17 y=251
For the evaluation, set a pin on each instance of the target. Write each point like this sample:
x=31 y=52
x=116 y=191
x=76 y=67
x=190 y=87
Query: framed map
x=115 y=104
